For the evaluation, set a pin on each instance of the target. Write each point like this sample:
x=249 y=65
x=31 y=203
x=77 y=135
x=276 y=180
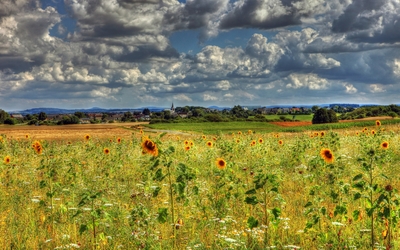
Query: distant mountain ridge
x=156 y=109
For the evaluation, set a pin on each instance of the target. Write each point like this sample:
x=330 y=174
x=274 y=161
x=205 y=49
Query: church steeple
x=172 y=108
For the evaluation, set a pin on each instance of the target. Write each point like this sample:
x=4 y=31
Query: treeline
x=372 y=111
x=200 y=114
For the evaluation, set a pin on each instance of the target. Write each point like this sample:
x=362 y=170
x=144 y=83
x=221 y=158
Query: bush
x=323 y=115
x=10 y=121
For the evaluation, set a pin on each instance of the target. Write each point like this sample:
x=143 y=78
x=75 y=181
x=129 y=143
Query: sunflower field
x=243 y=190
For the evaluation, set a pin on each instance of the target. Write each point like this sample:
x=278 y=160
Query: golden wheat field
x=116 y=187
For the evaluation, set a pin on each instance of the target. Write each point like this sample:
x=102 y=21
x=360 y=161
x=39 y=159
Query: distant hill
x=53 y=111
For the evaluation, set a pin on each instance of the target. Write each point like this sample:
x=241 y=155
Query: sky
x=140 y=53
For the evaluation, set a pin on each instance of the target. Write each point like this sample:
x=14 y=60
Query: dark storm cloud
x=351 y=19
x=370 y=21
x=145 y=53
x=278 y=14
x=11 y=7
x=194 y=14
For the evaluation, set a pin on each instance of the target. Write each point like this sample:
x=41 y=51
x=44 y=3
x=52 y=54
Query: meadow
x=236 y=188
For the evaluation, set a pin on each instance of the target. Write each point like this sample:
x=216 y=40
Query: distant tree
x=332 y=116
x=73 y=119
x=10 y=121
x=197 y=112
x=166 y=115
x=104 y=116
x=28 y=117
x=323 y=115
x=42 y=116
x=127 y=117
x=239 y=112
x=392 y=114
x=146 y=111
x=79 y=114
x=314 y=108
x=3 y=116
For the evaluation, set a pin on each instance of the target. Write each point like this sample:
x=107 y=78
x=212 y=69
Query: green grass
x=215 y=127
x=264 y=127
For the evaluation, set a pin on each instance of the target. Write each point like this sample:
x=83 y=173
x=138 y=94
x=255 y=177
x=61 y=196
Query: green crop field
x=235 y=189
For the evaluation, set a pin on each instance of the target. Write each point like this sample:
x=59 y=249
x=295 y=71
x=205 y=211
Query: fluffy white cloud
x=310 y=81
x=208 y=97
x=183 y=98
x=376 y=88
x=349 y=88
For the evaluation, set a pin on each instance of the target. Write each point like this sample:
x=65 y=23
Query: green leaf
x=162 y=215
x=323 y=211
x=340 y=210
x=359 y=185
x=42 y=184
x=156 y=191
x=251 y=191
x=274 y=189
x=83 y=228
x=357 y=196
x=251 y=200
x=252 y=222
x=357 y=177
x=356 y=214
x=158 y=176
x=308 y=204
x=276 y=212
x=155 y=164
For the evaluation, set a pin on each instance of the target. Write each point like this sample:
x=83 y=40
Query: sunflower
x=37 y=147
x=187 y=148
x=378 y=123
x=280 y=142
x=204 y=137
x=240 y=133
x=253 y=143
x=221 y=163
x=385 y=145
x=110 y=140
x=7 y=159
x=69 y=143
x=322 y=133
x=356 y=133
x=260 y=140
x=214 y=138
x=87 y=137
x=141 y=132
x=209 y=144
x=316 y=134
x=373 y=132
x=106 y=151
x=119 y=140
x=237 y=141
x=186 y=142
x=26 y=136
x=149 y=147
x=191 y=143
x=327 y=155
x=249 y=132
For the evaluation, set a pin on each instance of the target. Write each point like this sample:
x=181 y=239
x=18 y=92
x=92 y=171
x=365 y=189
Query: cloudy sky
x=136 y=53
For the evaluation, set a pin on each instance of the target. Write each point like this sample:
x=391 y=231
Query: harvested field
x=72 y=132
